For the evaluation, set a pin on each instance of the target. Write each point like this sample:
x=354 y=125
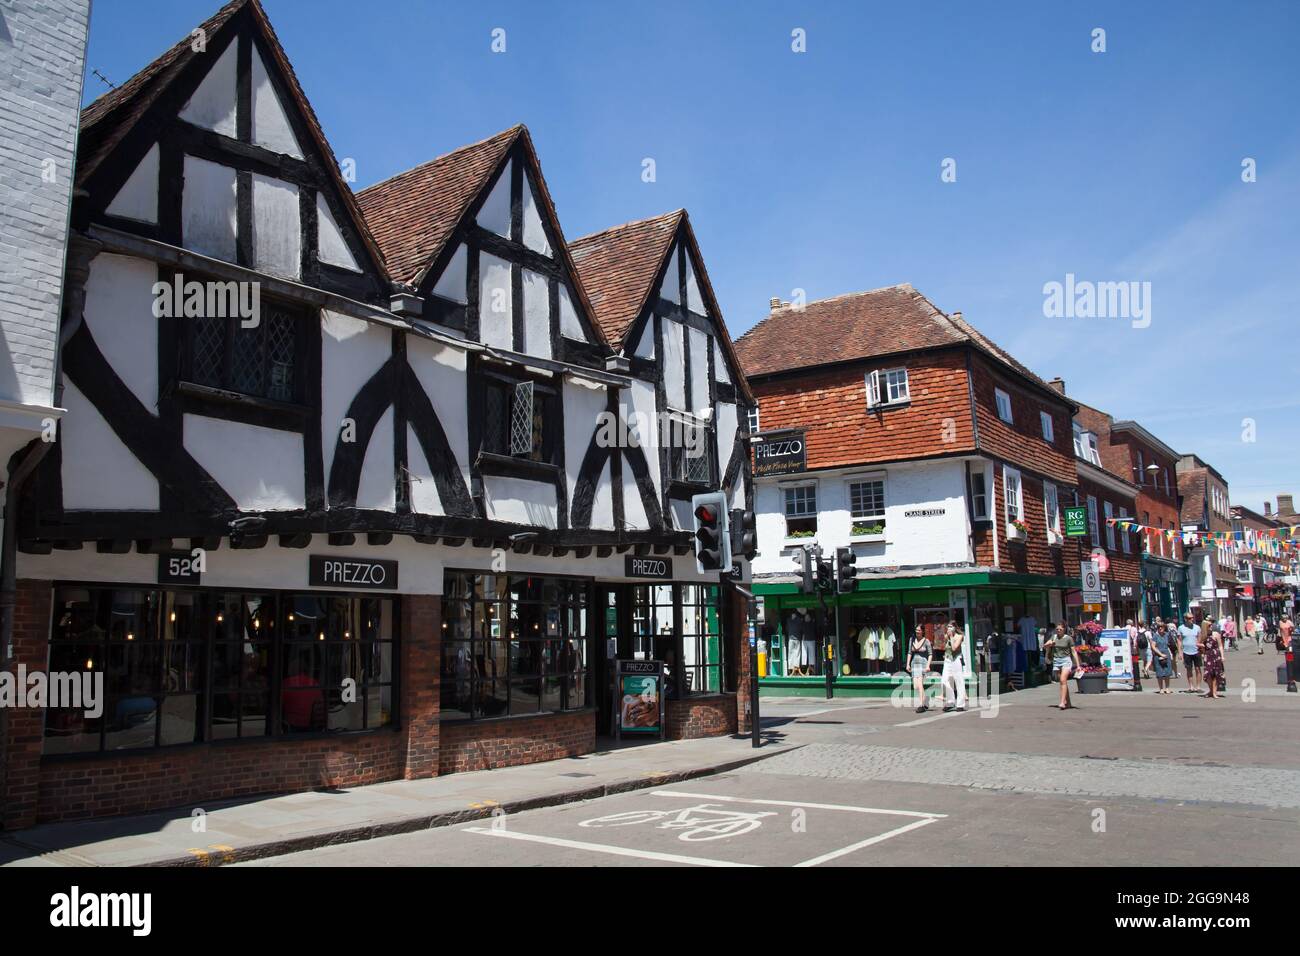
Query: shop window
x=800 y=511
x=867 y=506
x=261 y=361
x=513 y=645
x=243 y=628
x=701 y=639
x=652 y=621
x=872 y=644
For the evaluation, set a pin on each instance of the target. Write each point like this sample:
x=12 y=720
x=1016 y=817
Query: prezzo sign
x=330 y=572
x=635 y=567
x=780 y=455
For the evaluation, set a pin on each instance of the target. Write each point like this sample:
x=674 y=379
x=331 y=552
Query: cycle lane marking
x=797 y=803
x=853 y=848
x=604 y=848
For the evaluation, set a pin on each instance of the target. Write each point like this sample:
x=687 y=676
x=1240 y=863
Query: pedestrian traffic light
x=803 y=561
x=712 y=540
x=744 y=538
x=846 y=574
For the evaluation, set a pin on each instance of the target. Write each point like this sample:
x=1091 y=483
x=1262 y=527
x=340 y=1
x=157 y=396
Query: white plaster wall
x=681 y=511
x=670 y=288
x=352 y=350
x=261 y=468
x=271 y=127
x=908 y=542
x=583 y=405
x=720 y=371
x=694 y=301
x=277 y=227
x=570 y=327
x=728 y=422
x=602 y=506
x=637 y=407
x=331 y=247
x=699 y=372
x=99 y=473
x=519 y=501
x=494 y=215
x=645 y=346
x=674 y=365
x=213 y=104
x=537 y=315
x=425 y=499
x=534 y=233
x=634 y=516
x=496 y=326
x=377 y=489
x=208 y=206
x=119 y=314
x=441 y=371
x=451 y=284
x=138 y=197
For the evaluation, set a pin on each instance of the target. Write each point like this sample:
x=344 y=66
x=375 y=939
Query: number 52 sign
x=181 y=567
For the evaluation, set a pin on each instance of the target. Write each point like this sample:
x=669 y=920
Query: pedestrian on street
x=1145 y=651
x=1065 y=660
x=919 y=664
x=1249 y=633
x=1284 y=632
x=1190 y=636
x=1162 y=642
x=1261 y=632
x=1212 y=654
x=1175 y=647
x=954 y=669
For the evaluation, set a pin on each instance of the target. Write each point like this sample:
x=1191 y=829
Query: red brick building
x=1206 y=506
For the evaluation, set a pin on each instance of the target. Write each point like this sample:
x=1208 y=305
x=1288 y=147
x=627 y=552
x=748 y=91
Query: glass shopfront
x=513 y=644
x=190 y=666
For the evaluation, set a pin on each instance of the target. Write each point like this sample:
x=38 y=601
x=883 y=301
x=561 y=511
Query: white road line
x=952 y=713
x=865 y=843
x=603 y=848
x=798 y=803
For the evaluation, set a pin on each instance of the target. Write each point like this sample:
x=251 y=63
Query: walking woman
x=918 y=662
x=1212 y=655
x=954 y=669
x=1065 y=660
x=1161 y=640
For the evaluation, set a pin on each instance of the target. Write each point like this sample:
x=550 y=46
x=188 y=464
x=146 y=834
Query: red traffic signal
x=706 y=514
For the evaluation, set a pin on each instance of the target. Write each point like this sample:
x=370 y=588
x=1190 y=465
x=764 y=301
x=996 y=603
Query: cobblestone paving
x=1026 y=773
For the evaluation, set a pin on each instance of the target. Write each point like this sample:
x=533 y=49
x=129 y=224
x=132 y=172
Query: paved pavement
x=1133 y=778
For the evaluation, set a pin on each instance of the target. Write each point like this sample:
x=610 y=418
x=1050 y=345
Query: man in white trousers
x=954 y=669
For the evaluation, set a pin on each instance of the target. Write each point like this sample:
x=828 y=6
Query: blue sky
x=821 y=170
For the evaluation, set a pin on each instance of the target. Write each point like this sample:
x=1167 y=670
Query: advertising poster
x=1117 y=656
x=640 y=700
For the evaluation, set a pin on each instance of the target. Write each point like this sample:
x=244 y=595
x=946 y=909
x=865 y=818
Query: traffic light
x=744 y=537
x=803 y=561
x=823 y=573
x=712 y=540
x=846 y=574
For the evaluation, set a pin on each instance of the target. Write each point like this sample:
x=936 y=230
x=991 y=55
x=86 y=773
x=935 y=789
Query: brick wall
x=1021 y=443
x=33 y=790
x=702 y=716
x=42 y=61
x=831 y=405
x=512 y=741
x=1033 y=555
x=1123 y=567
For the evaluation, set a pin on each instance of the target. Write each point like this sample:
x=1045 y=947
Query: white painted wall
x=138 y=197
x=425 y=499
x=699 y=373
x=352 y=350
x=673 y=360
x=99 y=473
x=271 y=127
x=537 y=314
x=728 y=422
x=451 y=284
x=277 y=227
x=226 y=449
x=534 y=233
x=213 y=104
x=602 y=506
x=634 y=516
x=495 y=298
x=637 y=407
x=331 y=247
x=583 y=405
x=441 y=370
x=119 y=314
x=208 y=204
x=519 y=501
x=570 y=327
x=908 y=542
x=670 y=287
x=494 y=215
x=377 y=489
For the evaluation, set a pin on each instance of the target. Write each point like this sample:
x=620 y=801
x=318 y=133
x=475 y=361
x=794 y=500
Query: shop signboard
x=1123 y=591
x=780 y=454
x=639 y=698
x=327 y=571
x=180 y=567
x=1116 y=656
x=1076 y=521
x=1091 y=577
x=635 y=566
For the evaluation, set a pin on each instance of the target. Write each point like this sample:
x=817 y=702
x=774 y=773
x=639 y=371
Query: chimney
x=1267 y=512
x=957 y=316
x=775 y=303
x=1058 y=383
x=1284 y=505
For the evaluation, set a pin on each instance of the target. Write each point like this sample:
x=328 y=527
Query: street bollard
x=830 y=670
x=1290 y=670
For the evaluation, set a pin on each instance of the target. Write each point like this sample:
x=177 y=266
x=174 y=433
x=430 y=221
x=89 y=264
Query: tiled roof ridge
x=513 y=130
x=605 y=233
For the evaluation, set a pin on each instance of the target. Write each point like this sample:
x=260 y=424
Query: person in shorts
x=1065 y=661
x=1190 y=639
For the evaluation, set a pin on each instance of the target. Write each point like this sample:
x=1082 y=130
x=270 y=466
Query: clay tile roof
x=861 y=325
x=1191 y=489
x=413 y=214
x=618 y=266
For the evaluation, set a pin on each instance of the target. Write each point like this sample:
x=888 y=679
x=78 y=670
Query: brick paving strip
x=276 y=825
x=1028 y=773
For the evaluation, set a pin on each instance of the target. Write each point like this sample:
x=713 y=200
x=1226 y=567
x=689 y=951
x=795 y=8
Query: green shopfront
x=1164 y=588
x=862 y=637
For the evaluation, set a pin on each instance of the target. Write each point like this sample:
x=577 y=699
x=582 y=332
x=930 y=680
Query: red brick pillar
x=421 y=648
x=22 y=729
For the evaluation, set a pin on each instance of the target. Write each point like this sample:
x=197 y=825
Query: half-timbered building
x=354 y=488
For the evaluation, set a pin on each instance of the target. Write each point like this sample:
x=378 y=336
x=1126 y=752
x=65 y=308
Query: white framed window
x=1093 y=532
x=867 y=506
x=1013 y=493
x=1049 y=433
x=887 y=387
x=1004 y=405
x=979 y=496
x=1078 y=441
x=1110 y=528
x=753 y=421
x=1051 y=507
x=800 y=510
x=1124 y=536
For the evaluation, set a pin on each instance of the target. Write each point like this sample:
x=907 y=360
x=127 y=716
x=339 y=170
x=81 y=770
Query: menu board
x=639 y=698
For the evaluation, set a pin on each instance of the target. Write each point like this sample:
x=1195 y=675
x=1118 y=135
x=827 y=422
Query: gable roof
x=106 y=121
x=864 y=325
x=619 y=265
x=412 y=214
x=618 y=268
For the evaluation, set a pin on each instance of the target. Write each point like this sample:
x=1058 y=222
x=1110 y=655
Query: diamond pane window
x=260 y=361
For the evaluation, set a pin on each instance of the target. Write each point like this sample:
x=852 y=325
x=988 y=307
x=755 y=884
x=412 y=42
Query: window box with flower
x=1017 y=530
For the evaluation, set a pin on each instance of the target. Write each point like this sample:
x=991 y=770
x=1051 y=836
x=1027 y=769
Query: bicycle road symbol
x=704 y=821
